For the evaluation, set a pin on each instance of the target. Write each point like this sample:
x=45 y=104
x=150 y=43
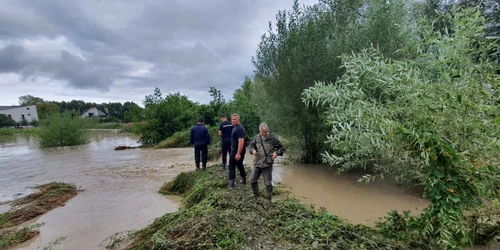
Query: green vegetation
x=305 y=47
x=14 y=131
x=50 y=196
x=6 y=121
x=215 y=217
x=9 y=238
x=429 y=117
x=58 y=131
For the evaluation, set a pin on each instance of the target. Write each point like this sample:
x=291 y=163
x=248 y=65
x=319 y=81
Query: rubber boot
x=223 y=166
x=243 y=180
x=255 y=189
x=231 y=183
x=269 y=192
x=204 y=166
x=197 y=166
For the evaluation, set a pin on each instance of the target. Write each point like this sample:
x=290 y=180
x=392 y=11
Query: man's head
x=263 y=129
x=235 y=119
x=223 y=118
x=200 y=121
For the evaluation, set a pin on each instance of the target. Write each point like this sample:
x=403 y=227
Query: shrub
x=59 y=130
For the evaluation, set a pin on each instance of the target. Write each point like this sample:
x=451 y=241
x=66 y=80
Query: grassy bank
x=215 y=217
x=14 y=131
x=181 y=139
x=50 y=196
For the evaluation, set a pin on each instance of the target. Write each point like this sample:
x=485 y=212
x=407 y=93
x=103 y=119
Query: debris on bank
x=48 y=197
x=214 y=216
x=125 y=147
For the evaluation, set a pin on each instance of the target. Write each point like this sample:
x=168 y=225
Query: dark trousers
x=203 y=149
x=233 y=164
x=226 y=149
x=266 y=172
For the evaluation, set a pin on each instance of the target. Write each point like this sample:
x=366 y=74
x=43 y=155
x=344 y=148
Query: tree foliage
x=6 y=121
x=305 y=47
x=166 y=115
x=62 y=130
x=432 y=116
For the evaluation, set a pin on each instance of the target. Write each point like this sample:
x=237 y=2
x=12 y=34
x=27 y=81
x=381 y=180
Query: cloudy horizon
x=107 y=51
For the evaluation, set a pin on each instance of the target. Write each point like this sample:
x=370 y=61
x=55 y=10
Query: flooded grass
x=50 y=196
x=9 y=238
x=216 y=217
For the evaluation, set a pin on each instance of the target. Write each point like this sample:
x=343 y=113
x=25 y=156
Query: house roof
x=92 y=108
x=8 y=107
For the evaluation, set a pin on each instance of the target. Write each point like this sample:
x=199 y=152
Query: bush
x=59 y=130
x=34 y=123
x=6 y=121
x=129 y=128
x=428 y=118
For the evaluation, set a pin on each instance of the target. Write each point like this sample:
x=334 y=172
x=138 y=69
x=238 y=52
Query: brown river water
x=120 y=188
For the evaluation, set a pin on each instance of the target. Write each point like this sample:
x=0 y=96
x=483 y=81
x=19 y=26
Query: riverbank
x=50 y=196
x=216 y=217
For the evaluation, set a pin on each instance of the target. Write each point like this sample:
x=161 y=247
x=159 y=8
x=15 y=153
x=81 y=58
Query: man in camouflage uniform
x=265 y=147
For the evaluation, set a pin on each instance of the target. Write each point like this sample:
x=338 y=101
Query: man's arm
x=241 y=144
x=253 y=144
x=209 y=140
x=279 y=147
x=220 y=129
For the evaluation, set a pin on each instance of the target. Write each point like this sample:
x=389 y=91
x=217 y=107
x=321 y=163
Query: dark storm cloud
x=173 y=44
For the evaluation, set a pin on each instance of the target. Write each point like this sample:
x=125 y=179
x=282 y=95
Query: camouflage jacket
x=267 y=145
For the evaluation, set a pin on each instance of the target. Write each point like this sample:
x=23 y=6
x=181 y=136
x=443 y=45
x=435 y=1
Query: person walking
x=265 y=146
x=200 y=139
x=225 y=130
x=238 y=151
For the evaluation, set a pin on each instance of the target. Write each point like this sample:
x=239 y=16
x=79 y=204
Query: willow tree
x=305 y=46
x=432 y=116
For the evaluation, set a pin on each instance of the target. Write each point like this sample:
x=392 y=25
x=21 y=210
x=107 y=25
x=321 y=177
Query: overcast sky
x=117 y=51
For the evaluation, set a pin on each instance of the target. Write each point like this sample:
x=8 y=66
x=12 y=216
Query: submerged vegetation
x=62 y=130
x=48 y=197
x=215 y=217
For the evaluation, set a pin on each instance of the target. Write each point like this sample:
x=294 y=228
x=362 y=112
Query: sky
x=118 y=51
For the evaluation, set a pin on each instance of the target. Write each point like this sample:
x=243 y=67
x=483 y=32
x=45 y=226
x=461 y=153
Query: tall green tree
x=244 y=104
x=305 y=47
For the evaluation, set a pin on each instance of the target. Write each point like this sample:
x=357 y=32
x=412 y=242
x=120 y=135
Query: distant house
x=20 y=113
x=93 y=112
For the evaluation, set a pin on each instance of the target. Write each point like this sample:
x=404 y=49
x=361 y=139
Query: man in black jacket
x=225 y=130
x=200 y=139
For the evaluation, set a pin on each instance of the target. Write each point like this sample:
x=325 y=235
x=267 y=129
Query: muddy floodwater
x=119 y=189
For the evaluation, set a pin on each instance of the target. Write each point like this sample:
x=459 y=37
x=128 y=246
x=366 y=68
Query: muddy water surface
x=120 y=188
x=342 y=195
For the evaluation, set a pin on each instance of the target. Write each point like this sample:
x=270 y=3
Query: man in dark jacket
x=225 y=130
x=265 y=147
x=200 y=139
x=237 y=154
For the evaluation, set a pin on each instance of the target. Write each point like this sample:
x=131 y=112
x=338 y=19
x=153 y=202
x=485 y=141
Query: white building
x=20 y=113
x=93 y=112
